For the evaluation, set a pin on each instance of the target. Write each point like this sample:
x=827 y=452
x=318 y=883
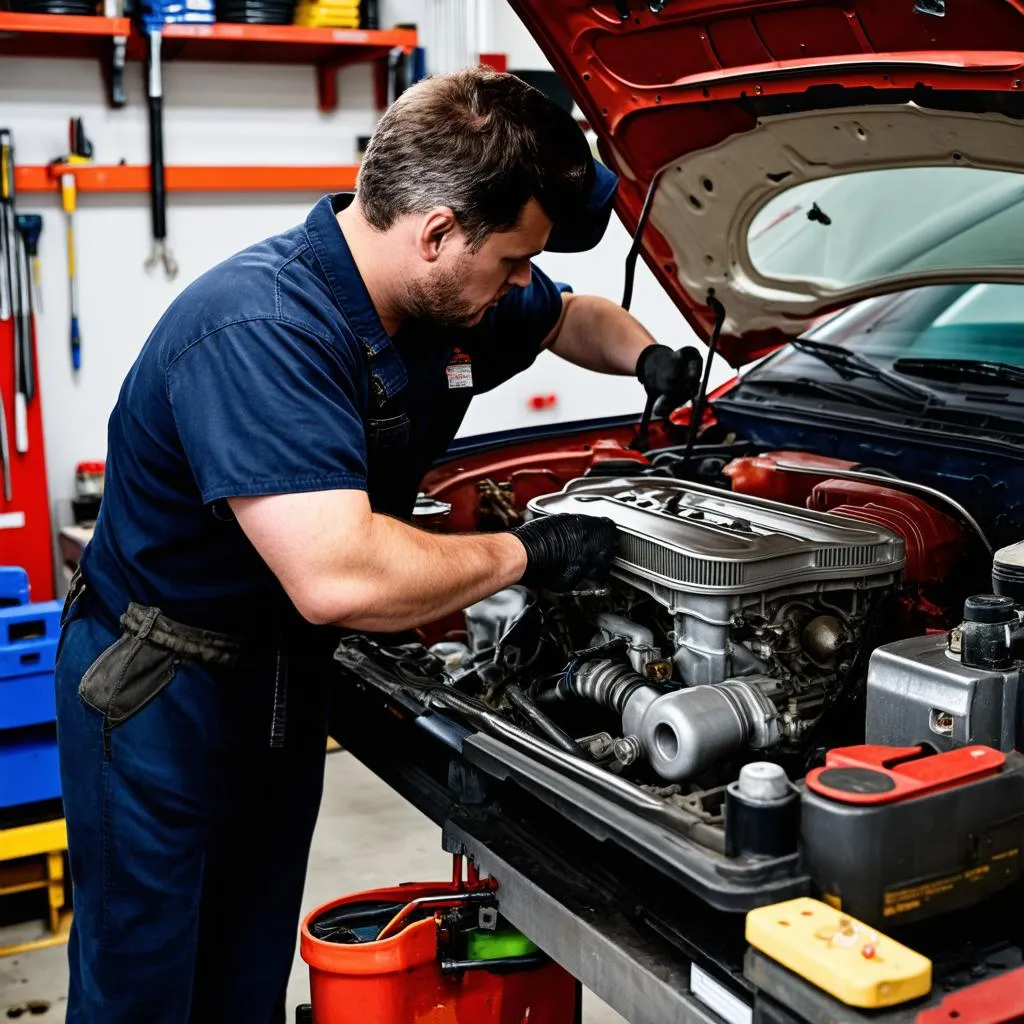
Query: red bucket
x=399 y=980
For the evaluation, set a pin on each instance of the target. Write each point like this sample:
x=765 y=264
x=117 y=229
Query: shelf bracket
x=381 y=76
x=327 y=82
x=327 y=87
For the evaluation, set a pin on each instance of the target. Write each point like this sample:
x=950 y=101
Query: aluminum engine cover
x=682 y=536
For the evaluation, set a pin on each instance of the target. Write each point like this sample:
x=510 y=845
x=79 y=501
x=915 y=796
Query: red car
x=803 y=675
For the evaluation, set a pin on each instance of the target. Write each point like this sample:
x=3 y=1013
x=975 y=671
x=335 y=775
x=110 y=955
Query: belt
x=201 y=645
x=189 y=642
x=193 y=644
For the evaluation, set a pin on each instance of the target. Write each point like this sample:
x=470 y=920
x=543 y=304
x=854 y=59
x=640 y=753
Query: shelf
x=52 y=24
x=52 y=35
x=281 y=43
x=326 y=49
x=135 y=178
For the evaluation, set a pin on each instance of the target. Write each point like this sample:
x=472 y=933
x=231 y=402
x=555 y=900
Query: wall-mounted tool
x=118 y=54
x=5 y=267
x=16 y=275
x=30 y=227
x=160 y=252
x=5 y=452
x=79 y=152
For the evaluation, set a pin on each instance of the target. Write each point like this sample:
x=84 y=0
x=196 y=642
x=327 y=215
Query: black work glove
x=669 y=376
x=562 y=550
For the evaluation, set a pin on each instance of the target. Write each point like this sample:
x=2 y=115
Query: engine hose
x=605 y=682
x=533 y=714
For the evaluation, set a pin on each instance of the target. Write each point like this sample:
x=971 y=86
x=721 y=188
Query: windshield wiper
x=850 y=365
x=837 y=392
x=960 y=371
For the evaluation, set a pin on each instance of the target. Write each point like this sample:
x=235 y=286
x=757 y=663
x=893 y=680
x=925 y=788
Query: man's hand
x=562 y=550
x=671 y=376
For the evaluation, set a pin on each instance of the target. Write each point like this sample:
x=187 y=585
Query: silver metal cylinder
x=686 y=732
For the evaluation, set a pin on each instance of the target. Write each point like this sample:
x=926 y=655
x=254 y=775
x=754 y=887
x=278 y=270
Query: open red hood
x=735 y=103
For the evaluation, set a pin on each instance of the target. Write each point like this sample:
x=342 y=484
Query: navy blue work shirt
x=272 y=374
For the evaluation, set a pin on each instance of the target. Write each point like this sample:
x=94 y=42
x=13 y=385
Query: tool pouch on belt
x=143 y=660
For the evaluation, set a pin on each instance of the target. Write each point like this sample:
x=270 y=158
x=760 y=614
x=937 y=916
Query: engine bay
x=771 y=619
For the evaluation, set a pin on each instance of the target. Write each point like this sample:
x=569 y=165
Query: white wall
x=236 y=114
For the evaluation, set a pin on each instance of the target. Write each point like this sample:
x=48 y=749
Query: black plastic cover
x=903 y=861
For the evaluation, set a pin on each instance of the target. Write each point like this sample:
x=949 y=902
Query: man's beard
x=440 y=301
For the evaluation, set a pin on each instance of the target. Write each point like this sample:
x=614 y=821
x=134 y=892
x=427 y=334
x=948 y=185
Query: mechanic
x=264 y=459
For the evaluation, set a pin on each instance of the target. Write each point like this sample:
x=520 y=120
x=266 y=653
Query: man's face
x=461 y=285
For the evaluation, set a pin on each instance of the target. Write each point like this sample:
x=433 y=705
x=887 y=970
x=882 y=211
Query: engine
x=760 y=607
x=748 y=666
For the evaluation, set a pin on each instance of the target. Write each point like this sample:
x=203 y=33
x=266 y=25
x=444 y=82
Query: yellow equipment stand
x=32 y=857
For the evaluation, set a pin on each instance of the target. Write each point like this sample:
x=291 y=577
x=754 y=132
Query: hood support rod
x=640 y=443
x=700 y=400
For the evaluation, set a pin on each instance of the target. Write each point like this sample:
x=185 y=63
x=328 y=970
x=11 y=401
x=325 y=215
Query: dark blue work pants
x=188 y=838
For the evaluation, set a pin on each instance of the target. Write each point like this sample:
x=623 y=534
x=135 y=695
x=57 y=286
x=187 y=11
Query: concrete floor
x=354 y=848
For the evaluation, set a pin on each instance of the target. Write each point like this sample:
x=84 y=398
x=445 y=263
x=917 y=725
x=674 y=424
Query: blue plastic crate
x=13 y=585
x=27 y=700
x=28 y=638
x=29 y=770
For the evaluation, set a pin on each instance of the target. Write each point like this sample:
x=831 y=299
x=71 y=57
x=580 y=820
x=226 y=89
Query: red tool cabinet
x=25 y=536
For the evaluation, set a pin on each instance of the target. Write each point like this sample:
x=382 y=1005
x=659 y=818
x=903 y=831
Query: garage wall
x=238 y=114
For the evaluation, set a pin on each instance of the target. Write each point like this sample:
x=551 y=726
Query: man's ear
x=435 y=231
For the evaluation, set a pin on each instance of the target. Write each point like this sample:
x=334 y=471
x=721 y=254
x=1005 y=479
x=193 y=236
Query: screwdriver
x=80 y=152
x=69 y=197
x=30 y=225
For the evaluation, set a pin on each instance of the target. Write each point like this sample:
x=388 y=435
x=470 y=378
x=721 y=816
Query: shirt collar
x=331 y=248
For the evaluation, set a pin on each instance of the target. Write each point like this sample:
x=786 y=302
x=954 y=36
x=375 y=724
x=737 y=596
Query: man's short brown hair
x=480 y=142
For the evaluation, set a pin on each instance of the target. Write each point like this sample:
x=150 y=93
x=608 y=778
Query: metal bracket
x=629 y=971
x=118 y=54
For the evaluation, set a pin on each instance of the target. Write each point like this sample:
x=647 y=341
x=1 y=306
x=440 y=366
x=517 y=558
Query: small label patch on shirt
x=459 y=370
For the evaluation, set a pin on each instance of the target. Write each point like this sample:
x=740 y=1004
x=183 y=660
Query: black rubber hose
x=497 y=965
x=541 y=722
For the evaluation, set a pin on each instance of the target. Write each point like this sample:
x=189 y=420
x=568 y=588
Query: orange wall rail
x=135 y=178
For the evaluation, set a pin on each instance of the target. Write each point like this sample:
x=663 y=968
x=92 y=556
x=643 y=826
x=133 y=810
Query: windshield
x=945 y=352
x=979 y=322
x=845 y=231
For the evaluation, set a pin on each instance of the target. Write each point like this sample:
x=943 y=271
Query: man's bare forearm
x=409 y=576
x=340 y=563
x=598 y=335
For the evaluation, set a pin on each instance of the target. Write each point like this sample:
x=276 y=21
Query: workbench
x=654 y=952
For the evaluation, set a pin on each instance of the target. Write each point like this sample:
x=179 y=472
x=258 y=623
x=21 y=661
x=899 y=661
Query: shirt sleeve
x=263 y=407
x=510 y=335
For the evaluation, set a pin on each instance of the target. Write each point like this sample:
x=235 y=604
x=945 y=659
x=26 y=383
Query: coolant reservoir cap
x=989 y=608
x=762 y=780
